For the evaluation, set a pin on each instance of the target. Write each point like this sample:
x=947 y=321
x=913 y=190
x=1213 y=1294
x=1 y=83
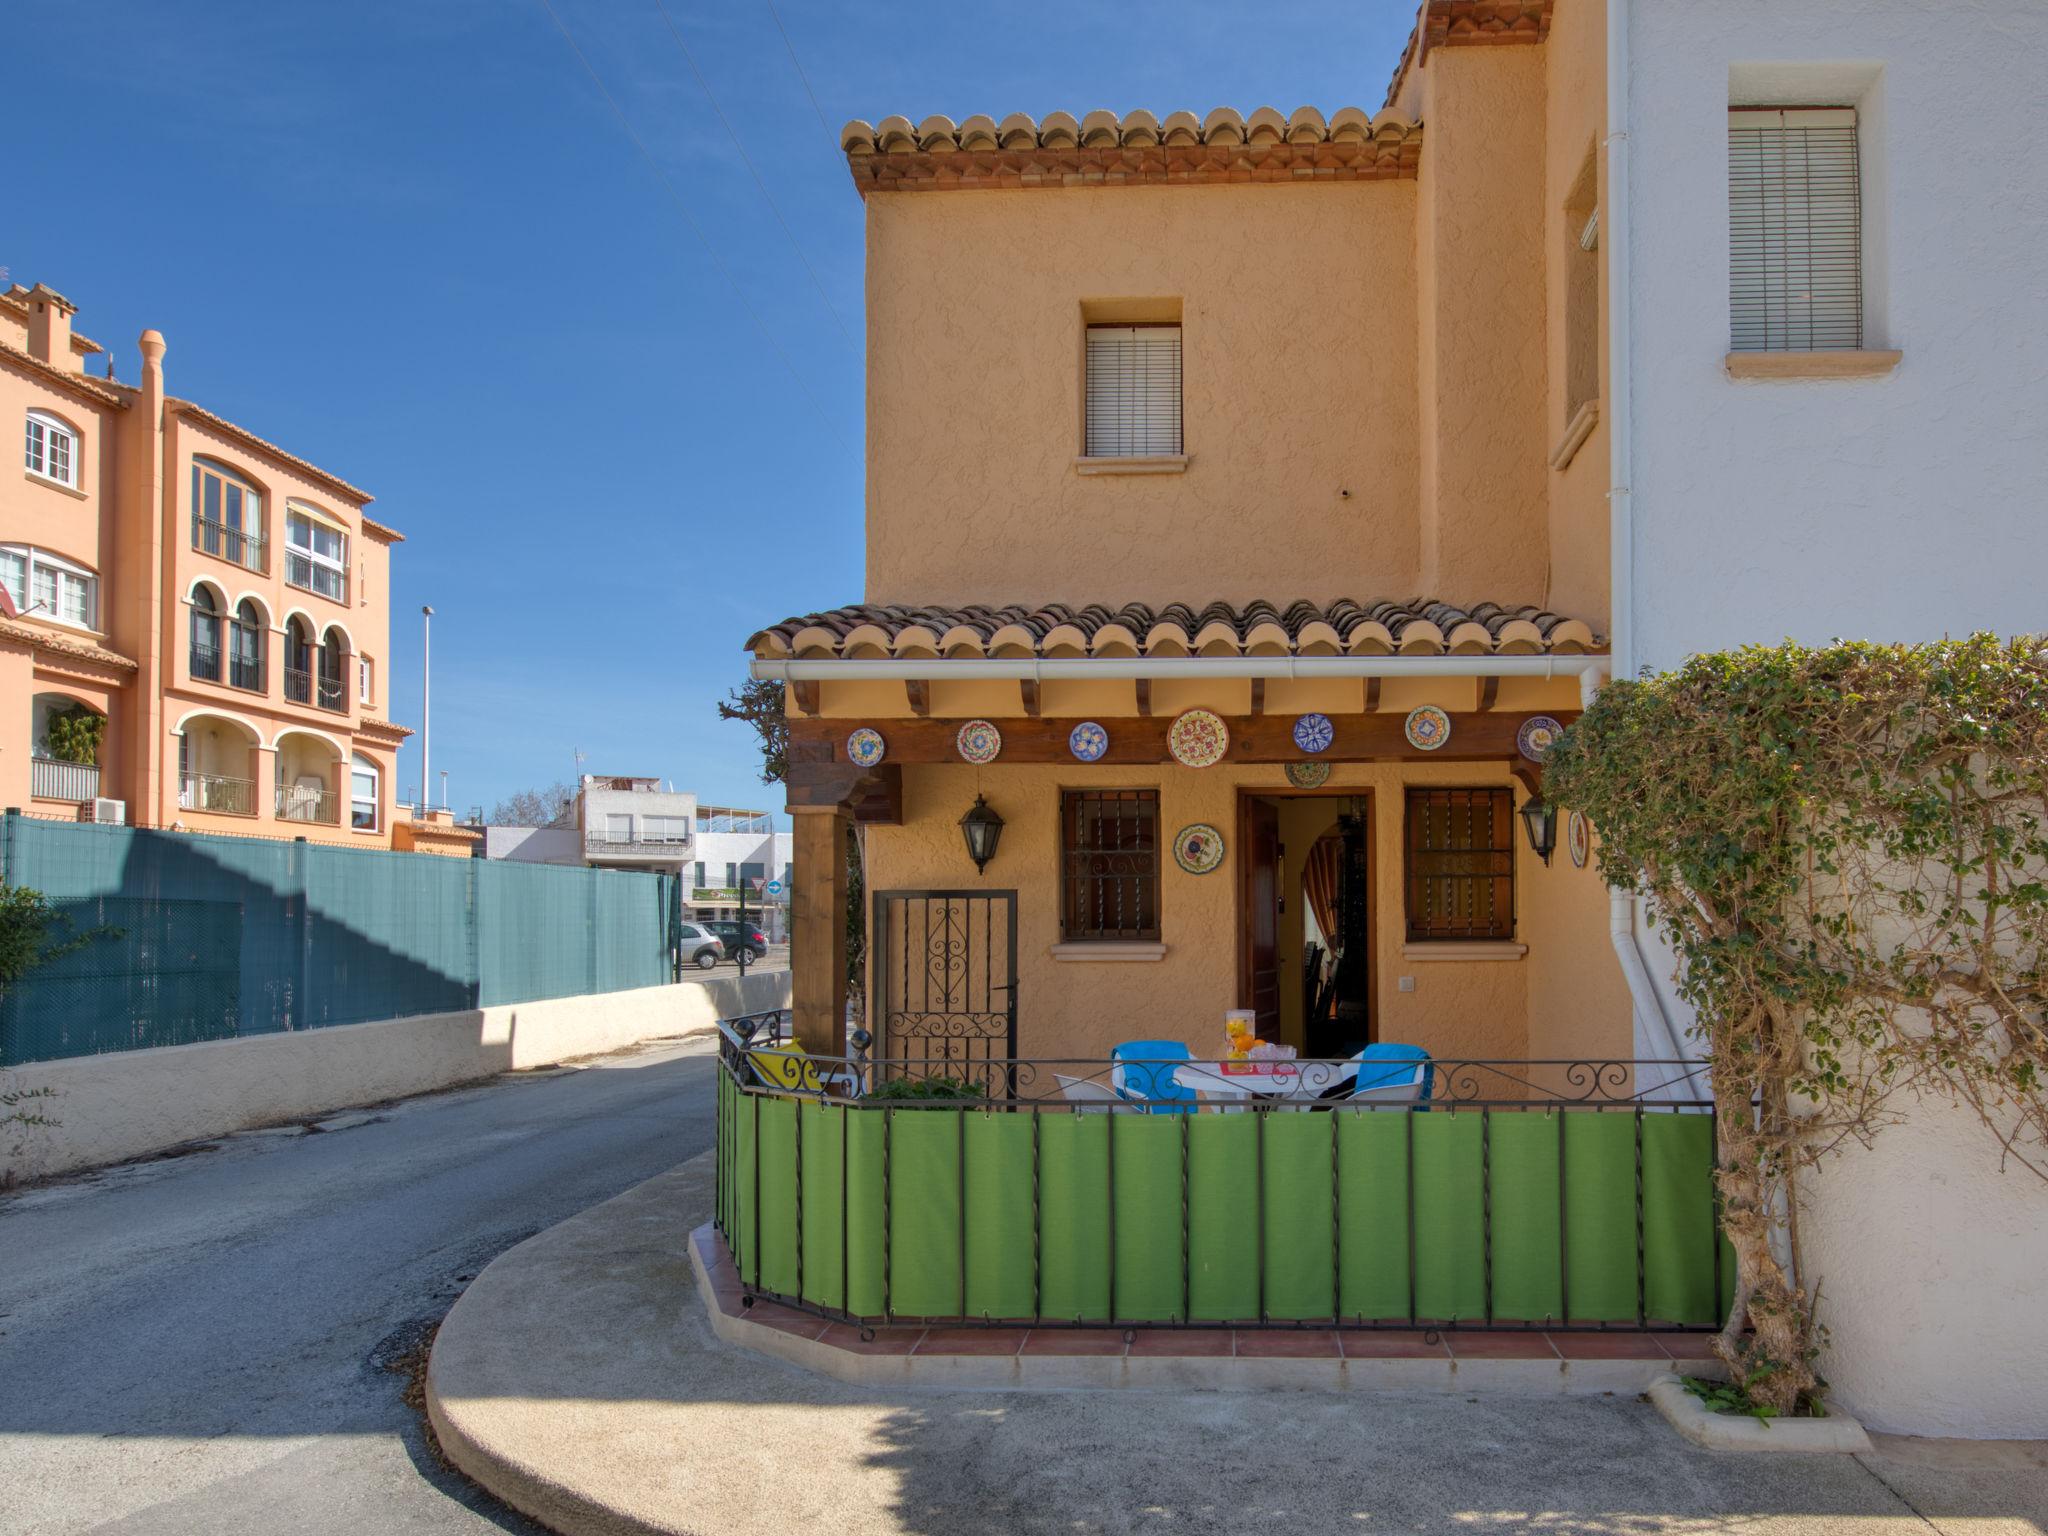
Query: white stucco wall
x=128 y=1103
x=1897 y=508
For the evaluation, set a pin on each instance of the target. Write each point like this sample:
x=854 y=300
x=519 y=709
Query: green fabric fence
x=1457 y=1215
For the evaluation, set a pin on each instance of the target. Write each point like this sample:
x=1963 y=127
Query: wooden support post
x=1028 y=688
x=817 y=951
x=1258 y=696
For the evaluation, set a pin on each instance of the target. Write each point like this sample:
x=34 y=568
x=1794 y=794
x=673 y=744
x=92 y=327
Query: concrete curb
x=1734 y=1432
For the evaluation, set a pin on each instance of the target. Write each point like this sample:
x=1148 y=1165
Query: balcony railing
x=312 y=576
x=300 y=802
x=303 y=687
x=598 y=843
x=239 y=545
x=49 y=779
x=206 y=663
x=245 y=672
x=212 y=792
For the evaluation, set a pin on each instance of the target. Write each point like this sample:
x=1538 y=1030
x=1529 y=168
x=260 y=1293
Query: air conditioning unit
x=104 y=813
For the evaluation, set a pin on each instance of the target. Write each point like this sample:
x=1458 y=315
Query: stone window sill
x=1463 y=950
x=48 y=484
x=1135 y=464
x=1108 y=949
x=1583 y=421
x=1811 y=365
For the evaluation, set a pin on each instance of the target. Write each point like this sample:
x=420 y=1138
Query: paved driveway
x=200 y=1344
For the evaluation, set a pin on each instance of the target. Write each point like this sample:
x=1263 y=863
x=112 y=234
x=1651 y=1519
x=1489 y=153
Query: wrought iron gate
x=944 y=966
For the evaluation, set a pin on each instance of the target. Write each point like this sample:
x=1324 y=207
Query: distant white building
x=623 y=822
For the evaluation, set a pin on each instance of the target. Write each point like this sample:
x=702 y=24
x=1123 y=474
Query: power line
x=691 y=219
x=786 y=43
x=795 y=244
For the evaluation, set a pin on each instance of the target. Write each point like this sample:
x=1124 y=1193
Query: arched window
x=227 y=515
x=205 y=635
x=245 y=647
x=52 y=451
x=363 y=798
x=333 y=655
x=298 y=661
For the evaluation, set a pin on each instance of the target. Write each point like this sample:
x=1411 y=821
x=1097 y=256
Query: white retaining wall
x=128 y=1103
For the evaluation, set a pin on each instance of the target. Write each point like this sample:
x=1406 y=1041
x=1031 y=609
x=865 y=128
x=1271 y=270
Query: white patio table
x=1265 y=1080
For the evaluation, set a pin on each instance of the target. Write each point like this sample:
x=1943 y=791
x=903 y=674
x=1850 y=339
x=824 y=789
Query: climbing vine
x=1847 y=848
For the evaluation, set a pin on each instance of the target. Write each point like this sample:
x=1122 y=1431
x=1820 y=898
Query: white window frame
x=42 y=434
x=1132 y=390
x=618 y=826
x=668 y=829
x=366 y=679
x=298 y=556
x=218 y=536
x=1796 y=263
x=66 y=577
x=360 y=766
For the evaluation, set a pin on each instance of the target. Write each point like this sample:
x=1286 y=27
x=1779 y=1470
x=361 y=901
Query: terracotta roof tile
x=77 y=383
x=335 y=482
x=62 y=645
x=1103 y=149
x=1443 y=22
x=1417 y=627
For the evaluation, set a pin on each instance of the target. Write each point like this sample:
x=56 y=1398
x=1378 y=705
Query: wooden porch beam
x=1027 y=689
x=918 y=692
x=1489 y=693
x=1144 y=695
x=1258 y=696
x=806 y=692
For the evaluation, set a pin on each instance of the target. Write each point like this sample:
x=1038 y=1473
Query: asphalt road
x=204 y=1343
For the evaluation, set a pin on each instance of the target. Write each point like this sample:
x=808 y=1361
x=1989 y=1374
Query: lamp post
x=426 y=704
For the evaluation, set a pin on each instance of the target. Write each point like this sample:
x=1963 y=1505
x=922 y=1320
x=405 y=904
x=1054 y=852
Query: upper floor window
x=1461 y=864
x=618 y=827
x=332 y=657
x=363 y=795
x=245 y=647
x=365 y=679
x=1109 y=864
x=668 y=829
x=206 y=624
x=1795 y=230
x=1133 y=391
x=52 y=449
x=316 y=555
x=41 y=583
x=227 y=515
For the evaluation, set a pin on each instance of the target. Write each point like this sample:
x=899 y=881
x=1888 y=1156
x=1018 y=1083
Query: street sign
x=760 y=881
x=774 y=887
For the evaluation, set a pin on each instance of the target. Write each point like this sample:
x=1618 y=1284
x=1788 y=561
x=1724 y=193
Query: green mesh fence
x=212 y=938
x=1507 y=1216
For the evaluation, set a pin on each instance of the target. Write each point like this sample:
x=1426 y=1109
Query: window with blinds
x=1133 y=390
x=1461 y=864
x=1795 y=230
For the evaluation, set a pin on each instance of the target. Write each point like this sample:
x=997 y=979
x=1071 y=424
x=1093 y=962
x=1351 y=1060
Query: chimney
x=49 y=328
x=151 y=344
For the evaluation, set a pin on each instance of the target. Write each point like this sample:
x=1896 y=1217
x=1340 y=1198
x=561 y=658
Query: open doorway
x=1306 y=919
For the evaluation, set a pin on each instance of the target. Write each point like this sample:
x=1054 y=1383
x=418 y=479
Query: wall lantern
x=1539 y=818
x=983 y=829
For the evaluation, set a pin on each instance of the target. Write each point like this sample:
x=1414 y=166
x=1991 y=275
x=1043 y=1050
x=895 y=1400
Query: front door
x=1261 y=898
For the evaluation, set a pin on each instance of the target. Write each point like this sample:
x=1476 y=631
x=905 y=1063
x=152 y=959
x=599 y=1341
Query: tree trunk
x=1766 y=1337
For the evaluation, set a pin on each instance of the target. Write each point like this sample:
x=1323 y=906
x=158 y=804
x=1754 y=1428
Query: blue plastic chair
x=1389 y=1064
x=1149 y=1074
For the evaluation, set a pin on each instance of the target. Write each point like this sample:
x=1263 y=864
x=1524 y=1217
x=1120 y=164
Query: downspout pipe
x=1116 y=668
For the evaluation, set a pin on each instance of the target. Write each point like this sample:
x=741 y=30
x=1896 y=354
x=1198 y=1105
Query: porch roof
x=1344 y=627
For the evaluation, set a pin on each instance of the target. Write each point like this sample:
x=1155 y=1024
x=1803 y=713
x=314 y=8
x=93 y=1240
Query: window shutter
x=1795 y=230
x=1133 y=390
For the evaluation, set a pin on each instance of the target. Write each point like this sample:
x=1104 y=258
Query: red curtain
x=1319 y=882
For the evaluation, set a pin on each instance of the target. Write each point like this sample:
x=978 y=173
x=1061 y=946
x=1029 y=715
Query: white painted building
x=1863 y=180
x=735 y=847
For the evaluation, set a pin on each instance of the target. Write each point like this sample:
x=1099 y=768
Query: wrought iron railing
x=301 y=802
x=1522 y=1195
x=304 y=687
x=212 y=792
x=239 y=545
x=49 y=779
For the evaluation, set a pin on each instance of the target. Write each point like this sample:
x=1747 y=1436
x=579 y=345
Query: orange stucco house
x=1236 y=531
x=220 y=605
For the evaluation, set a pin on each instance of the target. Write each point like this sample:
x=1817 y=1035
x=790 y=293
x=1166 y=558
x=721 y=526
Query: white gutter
x=1111 y=668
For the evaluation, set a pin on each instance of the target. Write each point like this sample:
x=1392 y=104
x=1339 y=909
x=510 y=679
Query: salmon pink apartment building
x=194 y=622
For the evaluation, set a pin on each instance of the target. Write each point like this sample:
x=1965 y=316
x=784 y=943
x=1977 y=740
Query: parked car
x=701 y=947
x=733 y=934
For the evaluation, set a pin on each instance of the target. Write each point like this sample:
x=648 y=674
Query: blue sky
x=412 y=243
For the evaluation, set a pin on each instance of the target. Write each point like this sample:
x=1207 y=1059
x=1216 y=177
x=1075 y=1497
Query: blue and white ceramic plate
x=1314 y=733
x=1088 y=741
x=1534 y=738
x=864 y=747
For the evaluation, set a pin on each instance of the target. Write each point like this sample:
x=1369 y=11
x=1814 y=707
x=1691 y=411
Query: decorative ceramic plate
x=979 y=741
x=1428 y=728
x=1088 y=741
x=1314 y=733
x=1534 y=738
x=1198 y=848
x=864 y=747
x=1308 y=775
x=1576 y=837
x=1198 y=739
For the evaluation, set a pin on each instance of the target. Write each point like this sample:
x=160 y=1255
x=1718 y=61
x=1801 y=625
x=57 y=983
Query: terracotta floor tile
x=1390 y=1344
x=1607 y=1346
x=1206 y=1343
x=1074 y=1341
x=1288 y=1344
x=887 y=1341
x=972 y=1341
x=1499 y=1346
x=772 y=1314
